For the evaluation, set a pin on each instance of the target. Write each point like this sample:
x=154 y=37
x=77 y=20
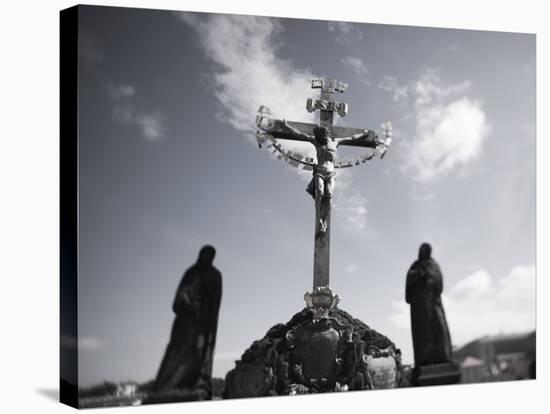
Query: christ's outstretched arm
x=366 y=138
x=354 y=137
x=297 y=132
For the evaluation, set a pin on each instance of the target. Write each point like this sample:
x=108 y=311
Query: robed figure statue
x=187 y=362
x=431 y=338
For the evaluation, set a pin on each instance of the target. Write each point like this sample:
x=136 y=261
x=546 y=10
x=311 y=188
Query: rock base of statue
x=313 y=354
x=445 y=373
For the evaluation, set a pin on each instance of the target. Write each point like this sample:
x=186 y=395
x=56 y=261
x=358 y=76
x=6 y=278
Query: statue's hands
x=379 y=141
x=382 y=149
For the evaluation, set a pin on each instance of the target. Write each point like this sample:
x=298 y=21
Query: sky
x=168 y=162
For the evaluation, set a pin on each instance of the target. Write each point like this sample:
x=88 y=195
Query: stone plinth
x=338 y=353
x=445 y=373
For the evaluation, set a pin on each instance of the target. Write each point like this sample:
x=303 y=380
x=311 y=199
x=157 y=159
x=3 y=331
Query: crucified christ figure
x=321 y=186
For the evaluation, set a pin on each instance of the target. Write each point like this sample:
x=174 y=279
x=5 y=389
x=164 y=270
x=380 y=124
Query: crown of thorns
x=321 y=130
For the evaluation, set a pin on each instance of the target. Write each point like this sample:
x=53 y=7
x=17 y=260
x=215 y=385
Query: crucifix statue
x=326 y=137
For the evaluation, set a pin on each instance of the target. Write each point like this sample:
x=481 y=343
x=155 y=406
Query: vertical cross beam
x=321 y=251
x=321 y=299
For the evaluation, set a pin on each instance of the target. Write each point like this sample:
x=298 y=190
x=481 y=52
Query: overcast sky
x=168 y=163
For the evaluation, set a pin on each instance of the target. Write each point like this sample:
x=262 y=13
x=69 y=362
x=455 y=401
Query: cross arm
x=282 y=129
x=302 y=131
x=298 y=134
x=357 y=137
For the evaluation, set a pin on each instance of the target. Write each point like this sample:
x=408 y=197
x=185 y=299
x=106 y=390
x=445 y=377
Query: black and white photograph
x=273 y=206
x=255 y=205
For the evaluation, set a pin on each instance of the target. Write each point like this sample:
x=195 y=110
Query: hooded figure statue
x=187 y=362
x=431 y=338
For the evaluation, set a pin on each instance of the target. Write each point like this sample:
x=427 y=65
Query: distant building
x=126 y=390
x=497 y=358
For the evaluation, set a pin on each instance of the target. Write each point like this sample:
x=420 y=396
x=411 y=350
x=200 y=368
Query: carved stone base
x=307 y=355
x=436 y=374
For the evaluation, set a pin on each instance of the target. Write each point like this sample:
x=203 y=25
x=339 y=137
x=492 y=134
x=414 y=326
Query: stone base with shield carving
x=316 y=351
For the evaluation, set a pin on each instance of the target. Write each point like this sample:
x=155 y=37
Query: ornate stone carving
x=321 y=301
x=310 y=355
x=317 y=352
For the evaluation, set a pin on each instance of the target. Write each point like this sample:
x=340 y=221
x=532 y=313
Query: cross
x=326 y=137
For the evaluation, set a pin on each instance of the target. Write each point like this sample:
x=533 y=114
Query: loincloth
x=323 y=173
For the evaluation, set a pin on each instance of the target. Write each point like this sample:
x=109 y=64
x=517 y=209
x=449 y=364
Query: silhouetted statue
x=431 y=339
x=187 y=362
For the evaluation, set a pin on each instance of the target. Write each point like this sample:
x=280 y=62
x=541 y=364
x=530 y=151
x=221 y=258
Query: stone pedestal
x=436 y=374
x=310 y=355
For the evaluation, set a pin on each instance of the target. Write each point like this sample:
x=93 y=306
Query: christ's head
x=321 y=134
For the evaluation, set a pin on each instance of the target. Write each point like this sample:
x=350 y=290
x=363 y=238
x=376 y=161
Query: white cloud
x=423 y=196
x=90 y=53
x=400 y=316
x=390 y=84
x=429 y=88
x=352 y=268
x=358 y=66
x=476 y=284
x=345 y=32
x=249 y=73
x=447 y=136
x=450 y=129
x=481 y=305
x=118 y=91
x=150 y=124
x=351 y=207
x=124 y=107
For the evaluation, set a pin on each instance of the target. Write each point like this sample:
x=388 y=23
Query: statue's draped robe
x=431 y=338
x=187 y=362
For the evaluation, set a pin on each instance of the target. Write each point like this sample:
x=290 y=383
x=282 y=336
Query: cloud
x=447 y=136
x=480 y=304
x=352 y=268
x=151 y=124
x=478 y=283
x=84 y=343
x=450 y=127
x=118 y=91
x=423 y=196
x=449 y=132
x=90 y=52
x=125 y=110
x=249 y=73
x=345 y=32
x=351 y=207
x=348 y=204
x=390 y=84
x=358 y=66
